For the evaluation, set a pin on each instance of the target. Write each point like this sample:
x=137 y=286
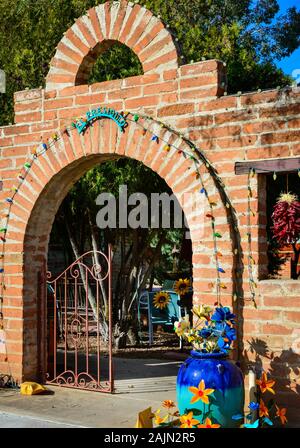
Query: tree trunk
x=98 y=313
x=97 y=261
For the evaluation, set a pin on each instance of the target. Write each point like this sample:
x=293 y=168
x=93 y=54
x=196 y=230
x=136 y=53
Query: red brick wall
x=189 y=98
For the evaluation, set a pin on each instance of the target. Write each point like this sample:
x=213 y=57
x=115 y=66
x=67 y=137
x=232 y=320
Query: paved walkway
x=14 y=420
x=140 y=383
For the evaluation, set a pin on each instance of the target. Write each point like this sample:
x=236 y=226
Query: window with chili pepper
x=283 y=225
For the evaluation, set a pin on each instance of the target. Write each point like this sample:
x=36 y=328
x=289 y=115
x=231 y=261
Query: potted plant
x=209 y=384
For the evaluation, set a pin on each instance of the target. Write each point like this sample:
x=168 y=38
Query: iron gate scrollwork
x=79 y=316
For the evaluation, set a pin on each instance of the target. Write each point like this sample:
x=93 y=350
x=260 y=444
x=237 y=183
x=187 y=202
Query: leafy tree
x=143 y=252
x=248 y=35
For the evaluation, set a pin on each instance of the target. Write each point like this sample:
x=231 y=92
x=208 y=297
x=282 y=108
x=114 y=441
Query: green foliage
x=108 y=177
x=196 y=412
x=118 y=62
x=247 y=35
x=79 y=205
x=241 y=33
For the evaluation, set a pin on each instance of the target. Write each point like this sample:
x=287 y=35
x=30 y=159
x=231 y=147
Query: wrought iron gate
x=79 y=316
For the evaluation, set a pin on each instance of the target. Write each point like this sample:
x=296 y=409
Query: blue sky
x=292 y=62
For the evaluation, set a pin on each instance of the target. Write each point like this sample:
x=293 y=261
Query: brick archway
x=42 y=113
x=52 y=175
x=98 y=30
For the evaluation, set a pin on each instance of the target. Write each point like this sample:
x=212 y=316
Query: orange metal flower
x=200 y=393
x=187 y=421
x=263 y=410
x=168 y=404
x=209 y=424
x=265 y=384
x=281 y=414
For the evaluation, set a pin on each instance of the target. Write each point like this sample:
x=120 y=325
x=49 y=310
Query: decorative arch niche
x=103 y=26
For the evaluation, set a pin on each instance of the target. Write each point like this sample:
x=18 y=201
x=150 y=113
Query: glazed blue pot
x=218 y=373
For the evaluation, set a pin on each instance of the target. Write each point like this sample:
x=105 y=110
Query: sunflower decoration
x=161 y=300
x=181 y=286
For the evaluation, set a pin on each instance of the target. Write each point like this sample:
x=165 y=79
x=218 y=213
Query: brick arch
x=51 y=177
x=98 y=30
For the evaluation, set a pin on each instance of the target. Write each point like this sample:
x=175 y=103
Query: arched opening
x=117 y=61
x=151 y=251
x=52 y=176
x=103 y=27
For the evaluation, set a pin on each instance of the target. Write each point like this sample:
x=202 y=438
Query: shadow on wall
x=284 y=368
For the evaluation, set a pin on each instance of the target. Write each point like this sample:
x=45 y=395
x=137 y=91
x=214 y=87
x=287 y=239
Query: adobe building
x=237 y=141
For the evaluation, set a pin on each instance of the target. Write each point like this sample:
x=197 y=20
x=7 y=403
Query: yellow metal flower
x=187 y=421
x=263 y=410
x=161 y=300
x=181 y=286
x=265 y=384
x=202 y=311
x=158 y=420
x=168 y=404
x=200 y=393
x=182 y=325
x=191 y=335
x=281 y=414
x=209 y=424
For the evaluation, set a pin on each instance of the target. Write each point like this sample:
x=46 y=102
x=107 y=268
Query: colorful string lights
x=252 y=283
x=194 y=154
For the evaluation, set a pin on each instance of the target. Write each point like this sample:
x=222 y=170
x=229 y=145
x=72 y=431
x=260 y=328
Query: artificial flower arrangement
x=260 y=414
x=213 y=329
x=213 y=332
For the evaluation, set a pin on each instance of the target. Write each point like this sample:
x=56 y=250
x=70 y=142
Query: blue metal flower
x=253 y=406
x=268 y=421
x=252 y=425
x=237 y=417
x=224 y=345
x=222 y=314
x=230 y=333
x=205 y=332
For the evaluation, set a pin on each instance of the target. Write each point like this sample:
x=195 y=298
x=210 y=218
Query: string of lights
x=251 y=260
x=193 y=153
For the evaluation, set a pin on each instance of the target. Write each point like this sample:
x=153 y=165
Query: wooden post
x=252 y=390
x=41 y=323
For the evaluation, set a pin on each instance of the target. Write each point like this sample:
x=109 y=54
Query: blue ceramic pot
x=218 y=373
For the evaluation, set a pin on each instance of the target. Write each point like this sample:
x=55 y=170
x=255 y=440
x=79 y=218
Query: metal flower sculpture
x=181 y=286
x=213 y=330
x=161 y=300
